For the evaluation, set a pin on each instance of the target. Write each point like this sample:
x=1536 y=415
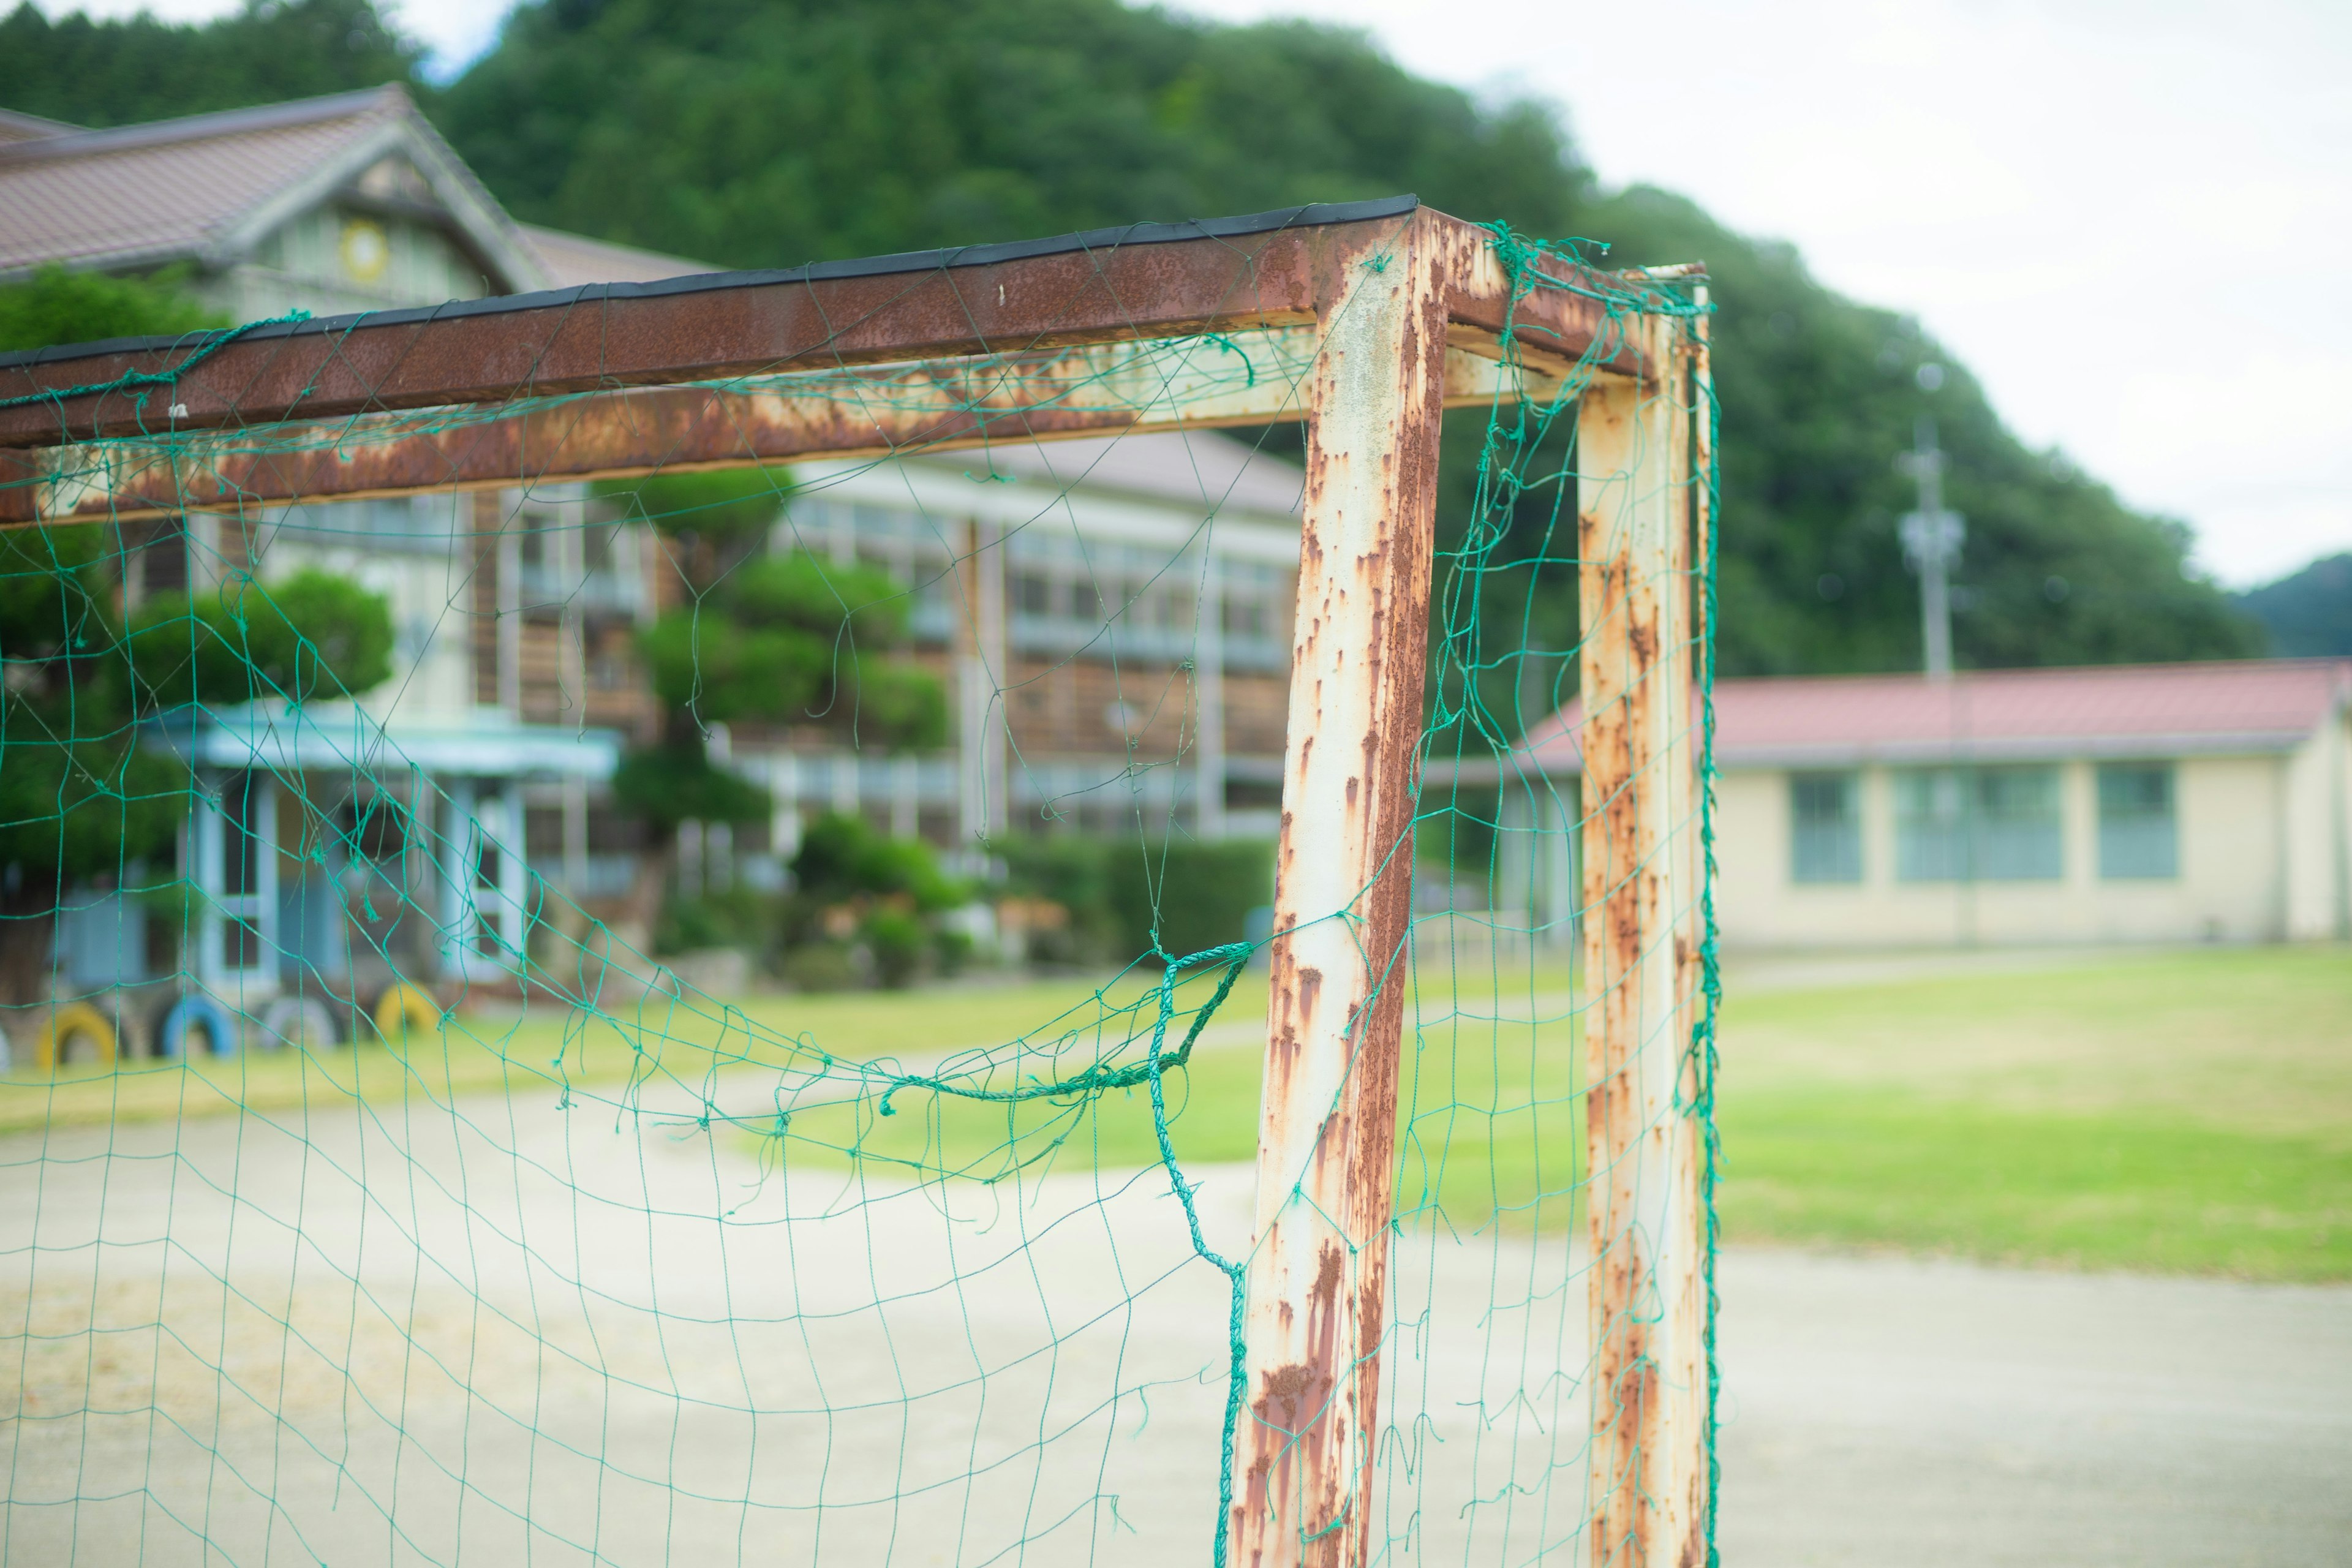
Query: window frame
x=2115 y=825
x=1845 y=865
x=1978 y=843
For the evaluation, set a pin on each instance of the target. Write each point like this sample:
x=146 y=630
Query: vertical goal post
x=1364 y=320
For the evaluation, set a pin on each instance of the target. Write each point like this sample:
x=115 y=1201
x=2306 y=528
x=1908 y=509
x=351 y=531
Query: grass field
x=659 y=1038
x=2189 y=1110
x=2185 y=1111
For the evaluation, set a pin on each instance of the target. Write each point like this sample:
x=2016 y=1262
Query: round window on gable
x=367 y=250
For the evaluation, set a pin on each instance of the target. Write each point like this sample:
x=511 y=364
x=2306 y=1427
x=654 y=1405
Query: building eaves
x=16 y=128
x=571 y=259
x=2241 y=707
x=389 y=99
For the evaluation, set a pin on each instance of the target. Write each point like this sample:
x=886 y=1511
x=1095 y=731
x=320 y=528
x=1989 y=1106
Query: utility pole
x=1931 y=543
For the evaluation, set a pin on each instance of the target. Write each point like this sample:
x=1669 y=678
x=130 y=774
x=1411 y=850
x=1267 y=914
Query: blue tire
x=220 y=1025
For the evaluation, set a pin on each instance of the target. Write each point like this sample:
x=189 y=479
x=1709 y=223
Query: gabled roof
x=17 y=127
x=1204 y=469
x=571 y=259
x=206 y=188
x=1995 y=715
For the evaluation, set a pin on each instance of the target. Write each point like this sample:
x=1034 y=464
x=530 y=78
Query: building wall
x=1106 y=659
x=2316 y=801
x=405 y=550
x=333 y=259
x=2235 y=842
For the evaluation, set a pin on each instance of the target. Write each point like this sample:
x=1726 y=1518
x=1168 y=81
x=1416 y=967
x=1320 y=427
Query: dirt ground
x=516 y=1332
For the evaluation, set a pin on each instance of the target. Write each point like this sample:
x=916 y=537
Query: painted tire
x=403 y=1010
x=303 y=1022
x=220 y=1028
x=65 y=1022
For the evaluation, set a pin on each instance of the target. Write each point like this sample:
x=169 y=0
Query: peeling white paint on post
x=1641 y=888
x=1317 y=1277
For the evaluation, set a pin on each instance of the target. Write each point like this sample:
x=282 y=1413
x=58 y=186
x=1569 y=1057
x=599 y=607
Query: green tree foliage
x=77 y=797
x=125 y=71
x=794 y=638
x=770 y=131
x=676 y=782
x=729 y=509
x=312 y=638
x=773 y=639
x=767 y=132
x=762 y=132
x=1819 y=396
x=2307 y=614
x=55 y=306
x=842 y=858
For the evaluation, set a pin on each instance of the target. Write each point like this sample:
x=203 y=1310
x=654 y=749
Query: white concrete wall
x=2247 y=826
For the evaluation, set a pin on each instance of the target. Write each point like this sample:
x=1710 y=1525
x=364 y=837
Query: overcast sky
x=2132 y=219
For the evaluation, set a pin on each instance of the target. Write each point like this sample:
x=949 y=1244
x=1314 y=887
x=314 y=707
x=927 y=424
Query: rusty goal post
x=1481 y=1115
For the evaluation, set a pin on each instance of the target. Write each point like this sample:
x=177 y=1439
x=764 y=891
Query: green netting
x=717 y=1016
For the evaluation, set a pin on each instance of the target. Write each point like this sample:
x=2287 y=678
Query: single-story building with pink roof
x=2151 y=803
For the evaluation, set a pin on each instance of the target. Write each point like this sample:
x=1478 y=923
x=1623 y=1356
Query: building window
x=1825 y=827
x=2138 y=836
x=1988 y=825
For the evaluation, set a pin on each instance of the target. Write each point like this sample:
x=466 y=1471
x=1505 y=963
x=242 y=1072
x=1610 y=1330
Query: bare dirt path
x=1887 y=1410
x=515 y=1332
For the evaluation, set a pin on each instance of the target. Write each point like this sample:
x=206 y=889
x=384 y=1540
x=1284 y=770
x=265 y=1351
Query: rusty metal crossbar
x=1366 y=322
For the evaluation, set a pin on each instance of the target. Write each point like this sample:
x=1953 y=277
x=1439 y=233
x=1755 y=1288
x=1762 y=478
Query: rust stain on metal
x=1221 y=285
x=1327 y=1122
x=1647 y=1469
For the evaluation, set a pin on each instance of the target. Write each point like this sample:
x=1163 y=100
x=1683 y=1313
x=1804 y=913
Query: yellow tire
x=403 y=1010
x=66 y=1022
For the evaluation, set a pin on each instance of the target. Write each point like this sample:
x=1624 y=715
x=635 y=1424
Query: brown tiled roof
x=15 y=126
x=2149 y=710
x=572 y=258
x=139 y=195
x=1206 y=469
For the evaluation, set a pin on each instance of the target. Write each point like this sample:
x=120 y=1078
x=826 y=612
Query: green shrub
x=55 y=306
x=1198 y=894
x=1074 y=870
x=844 y=857
x=740 y=917
x=899 y=943
x=676 y=782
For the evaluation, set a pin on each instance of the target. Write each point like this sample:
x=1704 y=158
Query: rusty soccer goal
x=1366 y=323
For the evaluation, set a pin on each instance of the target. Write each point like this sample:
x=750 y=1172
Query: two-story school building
x=1112 y=618
x=1112 y=622
x=2155 y=802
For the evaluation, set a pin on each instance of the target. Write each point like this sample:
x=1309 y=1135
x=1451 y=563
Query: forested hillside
x=122 y=72
x=2308 y=613
x=772 y=131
